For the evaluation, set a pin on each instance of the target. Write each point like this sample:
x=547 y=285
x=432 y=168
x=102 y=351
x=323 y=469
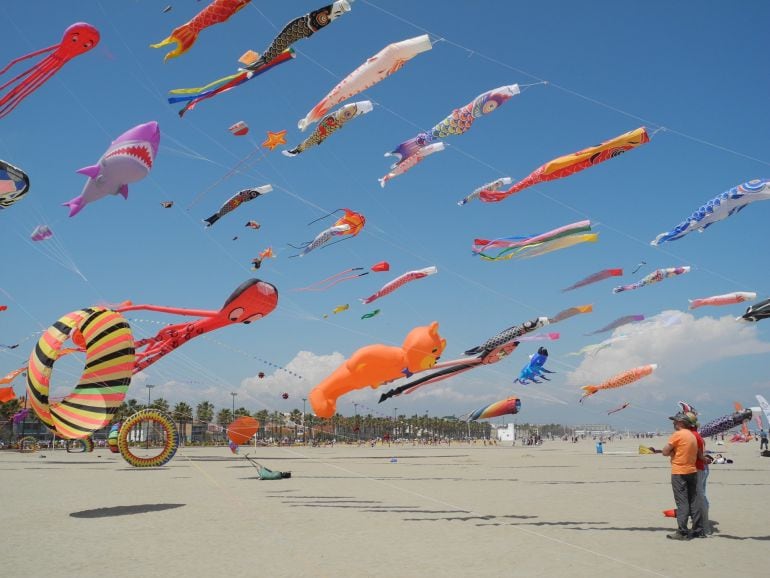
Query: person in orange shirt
x=682 y=447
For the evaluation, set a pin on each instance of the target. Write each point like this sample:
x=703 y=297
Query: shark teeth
x=141 y=152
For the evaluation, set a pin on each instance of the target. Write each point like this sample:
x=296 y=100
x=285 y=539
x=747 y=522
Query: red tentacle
x=11 y=100
x=26 y=56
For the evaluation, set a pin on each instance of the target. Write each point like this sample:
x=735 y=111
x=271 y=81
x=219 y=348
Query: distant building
x=506 y=433
x=593 y=430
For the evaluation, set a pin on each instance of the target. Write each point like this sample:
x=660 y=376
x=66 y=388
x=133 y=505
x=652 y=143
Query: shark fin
x=123 y=191
x=91 y=172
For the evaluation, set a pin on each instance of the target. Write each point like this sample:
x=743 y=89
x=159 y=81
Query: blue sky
x=612 y=67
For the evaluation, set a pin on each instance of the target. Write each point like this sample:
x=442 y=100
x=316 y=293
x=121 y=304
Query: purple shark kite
x=128 y=159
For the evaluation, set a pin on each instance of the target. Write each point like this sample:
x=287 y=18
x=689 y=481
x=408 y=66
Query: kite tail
x=27 y=56
x=184 y=37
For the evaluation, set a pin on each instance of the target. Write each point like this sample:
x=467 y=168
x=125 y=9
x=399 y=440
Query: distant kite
x=240 y=128
x=349 y=226
x=386 y=62
x=370 y=314
x=401 y=167
x=534 y=245
x=654 y=277
x=400 y=281
x=329 y=282
x=77 y=39
x=237 y=200
x=595 y=278
x=495 y=185
x=41 y=233
x=718 y=208
x=14 y=184
x=571 y=312
x=620 y=408
x=186 y=35
x=619 y=322
x=727 y=299
x=534 y=370
x=274 y=139
x=619 y=380
x=573 y=163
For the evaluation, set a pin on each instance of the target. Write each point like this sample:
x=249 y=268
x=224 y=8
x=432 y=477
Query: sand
x=554 y=510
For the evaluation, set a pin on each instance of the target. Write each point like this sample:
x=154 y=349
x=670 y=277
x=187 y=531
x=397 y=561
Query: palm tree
x=205 y=412
x=241 y=411
x=160 y=404
x=183 y=415
x=262 y=416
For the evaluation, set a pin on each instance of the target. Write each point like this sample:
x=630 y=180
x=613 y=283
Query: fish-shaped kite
x=495 y=185
x=654 y=277
x=534 y=245
x=619 y=322
x=331 y=124
x=401 y=167
x=186 y=35
x=458 y=122
x=573 y=163
x=349 y=225
x=237 y=200
x=508 y=406
x=619 y=380
x=718 y=208
x=726 y=299
x=757 y=312
x=387 y=61
x=595 y=278
x=571 y=312
x=399 y=281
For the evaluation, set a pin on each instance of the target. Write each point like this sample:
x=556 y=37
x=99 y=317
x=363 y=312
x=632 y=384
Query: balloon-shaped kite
x=534 y=368
x=381 y=266
x=237 y=200
x=595 y=278
x=399 y=281
x=757 y=312
x=375 y=365
x=718 y=208
x=192 y=96
x=458 y=122
x=387 y=61
x=41 y=233
x=727 y=299
x=242 y=430
x=491 y=351
x=240 y=128
x=654 y=277
x=186 y=35
x=252 y=300
x=128 y=159
x=77 y=39
x=534 y=245
x=401 y=167
x=350 y=225
x=619 y=322
x=14 y=184
x=330 y=124
x=508 y=406
x=495 y=185
x=619 y=380
x=299 y=28
x=574 y=163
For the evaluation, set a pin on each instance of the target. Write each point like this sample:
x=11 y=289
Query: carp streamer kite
x=718 y=208
x=14 y=184
x=128 y=159
x=458 y=122
x=193 y=96
x=186 y=35
x=377 y=68
x=571 y=312
x=377 y=364
x=620 y=408
x=757 y=312
x=78 y=39
x=534 y=245
x=619 y=380
x=495 y=185
x=619 y=322
x=236 y=201
x=299 y=28
x=574 y=163
x=654 y=277
x=493 y=350
x=725 y=423
x=400 y=281
x=507 y=406
x=330 y=125
x=401 y=167
x=534 y=369
x=595 y=278
x=350 y=224
x=727 y=299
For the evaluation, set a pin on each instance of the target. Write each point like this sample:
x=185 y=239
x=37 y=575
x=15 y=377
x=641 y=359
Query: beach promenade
x=554 y=510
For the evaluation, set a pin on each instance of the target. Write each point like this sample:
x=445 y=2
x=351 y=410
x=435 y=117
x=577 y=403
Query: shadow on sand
x=124 y=510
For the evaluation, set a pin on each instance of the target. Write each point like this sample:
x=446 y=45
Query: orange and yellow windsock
x=110 y=359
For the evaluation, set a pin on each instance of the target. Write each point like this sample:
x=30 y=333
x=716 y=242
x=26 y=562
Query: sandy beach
x=554 y=510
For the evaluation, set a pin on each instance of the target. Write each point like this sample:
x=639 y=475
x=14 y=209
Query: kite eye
x=489 y=107
x=254 y=317
x=75 y=37
x=235 y=314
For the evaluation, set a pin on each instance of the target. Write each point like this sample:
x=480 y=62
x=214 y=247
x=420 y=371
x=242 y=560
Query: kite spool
x=170 y=445
x=80 y=446
x=109 y=345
